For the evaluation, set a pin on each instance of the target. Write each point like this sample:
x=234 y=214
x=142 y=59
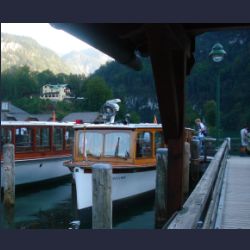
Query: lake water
x=53 y=207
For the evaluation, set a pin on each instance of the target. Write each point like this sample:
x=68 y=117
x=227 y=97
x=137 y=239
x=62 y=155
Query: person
x=248 y=144
x=244 y=140
x=201 y=132
x=127 y=119
x=200 y=128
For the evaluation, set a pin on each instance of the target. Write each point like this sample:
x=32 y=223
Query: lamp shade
x=217 y=53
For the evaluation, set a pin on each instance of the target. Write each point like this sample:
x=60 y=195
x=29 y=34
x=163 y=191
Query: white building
x=55 y=92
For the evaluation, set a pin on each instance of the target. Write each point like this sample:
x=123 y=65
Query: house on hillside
x=55 y=92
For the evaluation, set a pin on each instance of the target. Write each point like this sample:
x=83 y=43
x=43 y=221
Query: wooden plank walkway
x=234 y=205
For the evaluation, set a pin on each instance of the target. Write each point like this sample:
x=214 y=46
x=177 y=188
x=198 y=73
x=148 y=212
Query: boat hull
x=124 y=185
x=39 y=170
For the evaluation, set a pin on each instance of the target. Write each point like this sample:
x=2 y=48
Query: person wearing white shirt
x=244 y=139
x=201 y=132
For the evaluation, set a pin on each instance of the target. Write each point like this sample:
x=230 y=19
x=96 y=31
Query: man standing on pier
x=201 y=133
x=244 y=133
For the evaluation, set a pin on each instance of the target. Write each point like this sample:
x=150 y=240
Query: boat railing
x=199 y=210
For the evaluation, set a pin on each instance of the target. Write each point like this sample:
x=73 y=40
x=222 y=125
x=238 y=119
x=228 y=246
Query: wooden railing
x=200 y=209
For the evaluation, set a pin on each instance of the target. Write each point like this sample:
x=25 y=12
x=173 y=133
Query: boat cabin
x=122 y=145
x=37 y=139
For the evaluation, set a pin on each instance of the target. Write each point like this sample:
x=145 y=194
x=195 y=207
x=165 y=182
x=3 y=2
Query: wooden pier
x=221 y=199
x=234 y=206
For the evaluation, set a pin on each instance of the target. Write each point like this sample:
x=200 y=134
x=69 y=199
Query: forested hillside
x=235 y=77
x=136 y=89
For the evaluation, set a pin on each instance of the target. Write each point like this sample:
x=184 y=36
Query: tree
x=18 y=82
x=76 y=83
x=210 y=112
x=46 y=77
x=33 y=105
x=96 y=92
x=190 y=115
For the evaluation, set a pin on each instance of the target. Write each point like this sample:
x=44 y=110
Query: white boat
x=129 y=148
x=40 y=149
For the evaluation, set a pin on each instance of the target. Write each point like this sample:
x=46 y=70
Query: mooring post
x=206 y=149
x=229 y=143
x=101 y=196
x=9 y=174
x=8 y=178
x=195 y=160
x=161 y=215
x=186 y=169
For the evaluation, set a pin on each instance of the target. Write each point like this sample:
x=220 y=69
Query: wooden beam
x=169 y=68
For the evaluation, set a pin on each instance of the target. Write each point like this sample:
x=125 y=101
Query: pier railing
x=200 y=209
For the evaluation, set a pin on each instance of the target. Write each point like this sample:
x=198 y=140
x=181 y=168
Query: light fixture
x=217 y=53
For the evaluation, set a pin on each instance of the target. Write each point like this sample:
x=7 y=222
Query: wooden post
x=161 y=214
x=186 y=170
x=101 y=195
x=208 y=147
x=8 y=178
x=1 y=206
x=229 y=143
x=169 y=49
x=9 y=174
x=195 y=160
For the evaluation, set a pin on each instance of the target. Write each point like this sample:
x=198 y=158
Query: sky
x=47 y=36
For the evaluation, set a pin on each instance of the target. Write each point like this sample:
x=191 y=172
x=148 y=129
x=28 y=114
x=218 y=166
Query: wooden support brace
x=169 y=68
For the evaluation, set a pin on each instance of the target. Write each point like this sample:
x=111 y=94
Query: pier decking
x=221 y=198
x=234 y=206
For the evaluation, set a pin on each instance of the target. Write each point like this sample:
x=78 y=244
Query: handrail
x=202 y=201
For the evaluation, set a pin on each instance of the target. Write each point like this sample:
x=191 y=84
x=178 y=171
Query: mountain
x=20 y=51
x=85 y=61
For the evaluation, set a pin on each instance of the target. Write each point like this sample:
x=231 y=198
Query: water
x=53 y=207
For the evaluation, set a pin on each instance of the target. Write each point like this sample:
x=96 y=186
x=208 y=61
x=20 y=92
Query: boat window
x=69 y=135
x=117 y=145
x=90 y=144
x=24 y=139
x=6 y=135
x=58 y=139
x=144 y=144
x=159 y=140
x=42 y=139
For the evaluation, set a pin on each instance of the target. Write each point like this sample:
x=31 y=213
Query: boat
x=129 y=148
x=40 y=149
